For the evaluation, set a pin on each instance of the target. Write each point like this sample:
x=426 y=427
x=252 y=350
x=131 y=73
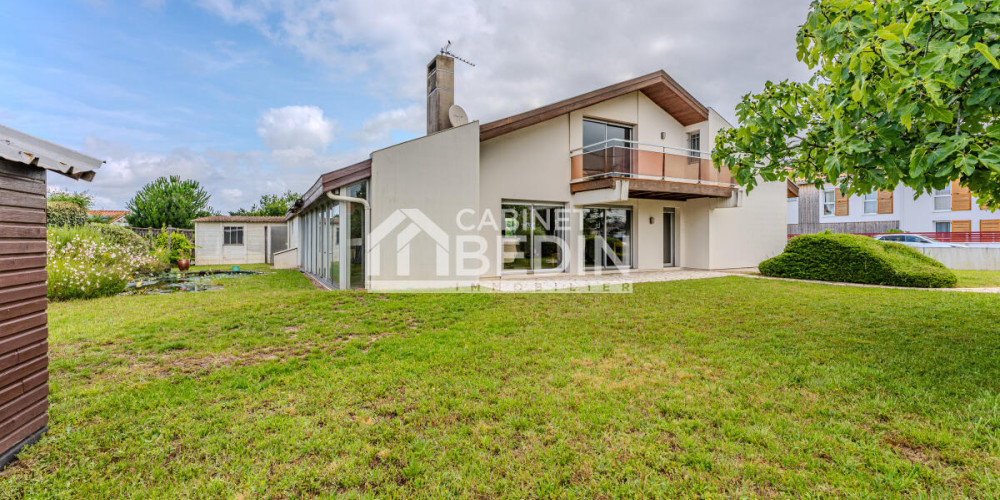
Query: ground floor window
x=829 y=202
x=607 y=237
x=534 y=236
x=232 y=235
x=942 y=227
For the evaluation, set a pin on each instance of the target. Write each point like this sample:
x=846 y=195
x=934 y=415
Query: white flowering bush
x=83 y=263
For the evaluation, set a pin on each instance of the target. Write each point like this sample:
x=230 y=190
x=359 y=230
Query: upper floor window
x=829 y=202
x=942 y=198
x=599 y=135
x=694 y=145
x=871 y=203
x=232 y=235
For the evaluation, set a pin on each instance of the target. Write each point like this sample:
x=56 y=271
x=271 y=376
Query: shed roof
x=241 y=218
x=30 y=150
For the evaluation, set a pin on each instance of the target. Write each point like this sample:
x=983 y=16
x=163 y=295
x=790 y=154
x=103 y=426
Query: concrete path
x=605 y=282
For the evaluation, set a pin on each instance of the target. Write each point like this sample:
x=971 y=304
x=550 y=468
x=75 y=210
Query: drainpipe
x=368 y=224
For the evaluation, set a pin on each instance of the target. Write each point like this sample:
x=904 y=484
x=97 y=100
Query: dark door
x=668 y=239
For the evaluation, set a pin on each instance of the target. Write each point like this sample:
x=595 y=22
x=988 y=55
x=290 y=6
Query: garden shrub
x=122 y=236
x=84 y=263
x=64 y=213
x=174 y=246
x=857 y=259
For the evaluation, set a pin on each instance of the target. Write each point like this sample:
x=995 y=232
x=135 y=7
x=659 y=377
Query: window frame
x=629 y=134
x=227 y=236
x=832 y=203
x=869 y=198
x=948 y=222
x=941 y=194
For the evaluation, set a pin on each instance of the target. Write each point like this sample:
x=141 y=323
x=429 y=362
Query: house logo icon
x=419 y=223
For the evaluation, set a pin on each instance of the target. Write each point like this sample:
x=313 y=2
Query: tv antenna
x=447 y=52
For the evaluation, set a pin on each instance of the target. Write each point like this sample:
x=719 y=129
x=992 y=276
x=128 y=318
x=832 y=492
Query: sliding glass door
x=607 y=238
x=533 y=237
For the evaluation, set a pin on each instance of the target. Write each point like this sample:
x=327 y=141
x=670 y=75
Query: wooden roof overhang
x=333 y=180
x=657 y=189
x=658 y=86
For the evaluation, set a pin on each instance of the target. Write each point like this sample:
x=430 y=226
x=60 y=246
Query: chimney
x=440 y=92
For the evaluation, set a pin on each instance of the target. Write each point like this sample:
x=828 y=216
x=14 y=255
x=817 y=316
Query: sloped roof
x=113 y=215
x=240 y=218
x=30 y=150
x=106 y=213
x=658 y=86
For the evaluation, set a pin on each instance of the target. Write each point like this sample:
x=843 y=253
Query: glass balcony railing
x=631 y=159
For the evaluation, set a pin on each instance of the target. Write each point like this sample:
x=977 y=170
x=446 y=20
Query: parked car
x=914 y=240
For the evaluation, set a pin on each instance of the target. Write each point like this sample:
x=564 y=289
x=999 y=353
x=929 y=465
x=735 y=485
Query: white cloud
x=295 y=127
x=533 y=53
x=234 y=179
x=379 y=128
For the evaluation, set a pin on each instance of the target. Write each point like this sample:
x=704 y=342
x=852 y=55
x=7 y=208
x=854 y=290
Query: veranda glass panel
x=516 y=236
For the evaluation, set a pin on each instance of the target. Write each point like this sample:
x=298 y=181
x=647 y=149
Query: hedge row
x=857 y=259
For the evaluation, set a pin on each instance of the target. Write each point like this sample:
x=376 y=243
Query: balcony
x=656 y=172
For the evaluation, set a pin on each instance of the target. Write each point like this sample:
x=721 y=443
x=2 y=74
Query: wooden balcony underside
x=657 y=189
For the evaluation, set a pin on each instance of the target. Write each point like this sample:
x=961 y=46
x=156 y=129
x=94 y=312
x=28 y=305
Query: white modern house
x=238 y=239
x=949 y=210
x=616 y=179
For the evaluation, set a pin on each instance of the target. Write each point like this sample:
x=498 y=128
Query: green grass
x=978 y=279
x=725 y=387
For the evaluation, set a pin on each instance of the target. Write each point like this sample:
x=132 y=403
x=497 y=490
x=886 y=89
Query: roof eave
x=695 y=111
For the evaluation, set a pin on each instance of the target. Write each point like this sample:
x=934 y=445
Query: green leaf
x=990 y=159
x=954 y=18
x=892 y=52
x=985 y=51
x=938 y=113
x=891 y=32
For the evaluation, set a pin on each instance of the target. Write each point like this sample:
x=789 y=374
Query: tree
x=270 y=204
x=903 y=91
x=170 y=202
x=83 y=199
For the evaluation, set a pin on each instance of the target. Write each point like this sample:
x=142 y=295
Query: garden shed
x=24 y=390
x=239 y=239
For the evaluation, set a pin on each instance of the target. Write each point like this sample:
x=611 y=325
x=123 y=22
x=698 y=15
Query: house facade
x=238 y=239
x=616 y=179
x=948 y=210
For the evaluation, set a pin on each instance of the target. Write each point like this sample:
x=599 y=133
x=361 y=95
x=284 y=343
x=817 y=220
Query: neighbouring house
x=24 y=375
x=615 y=179
x=114 y=217
x=949 y=210
x=239 y=239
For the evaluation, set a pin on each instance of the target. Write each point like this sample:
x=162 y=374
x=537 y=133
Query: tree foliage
x=64 y=213
x=903 y=91
x=274 y=205
x=168 y=202
x=84 y=200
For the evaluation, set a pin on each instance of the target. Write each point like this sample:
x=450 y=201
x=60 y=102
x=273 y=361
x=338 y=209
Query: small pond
x=189 y=281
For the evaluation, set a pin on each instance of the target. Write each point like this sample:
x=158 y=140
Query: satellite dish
x=457 y=116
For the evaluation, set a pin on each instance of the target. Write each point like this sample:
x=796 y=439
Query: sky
x=253 y=97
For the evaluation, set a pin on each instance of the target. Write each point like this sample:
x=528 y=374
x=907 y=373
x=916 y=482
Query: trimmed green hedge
x=857 y=259
x=64 y=213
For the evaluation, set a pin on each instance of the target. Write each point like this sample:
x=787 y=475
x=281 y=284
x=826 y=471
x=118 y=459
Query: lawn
x=978 y=279
x=724 y=387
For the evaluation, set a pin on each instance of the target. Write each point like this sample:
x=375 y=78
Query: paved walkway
x=609 y=281
x=613 y=281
